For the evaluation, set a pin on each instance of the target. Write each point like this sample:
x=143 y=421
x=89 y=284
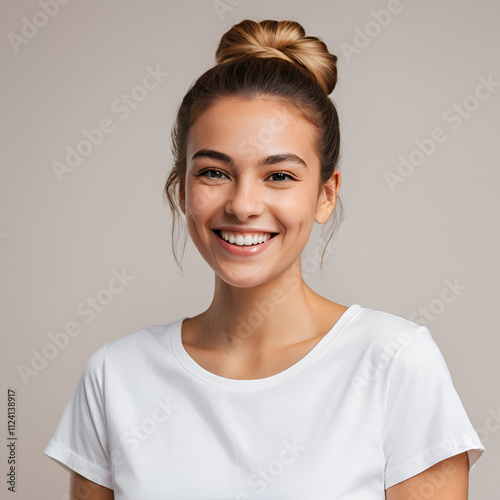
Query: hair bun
x=284 y=39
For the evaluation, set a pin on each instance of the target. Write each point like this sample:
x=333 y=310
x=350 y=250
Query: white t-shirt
x=371 y=405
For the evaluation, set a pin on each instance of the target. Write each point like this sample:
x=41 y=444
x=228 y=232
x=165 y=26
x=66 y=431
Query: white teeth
x=245 y=239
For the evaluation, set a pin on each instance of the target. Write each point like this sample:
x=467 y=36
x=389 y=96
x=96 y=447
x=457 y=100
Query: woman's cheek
x=298 y=206
x=201 y=198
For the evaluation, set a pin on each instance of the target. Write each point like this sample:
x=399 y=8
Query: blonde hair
x=263 y=59
x=282 y=39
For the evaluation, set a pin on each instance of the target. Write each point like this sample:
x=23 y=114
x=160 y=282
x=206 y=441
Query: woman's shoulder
x=385 y=344
x=133 y=345
x=381 y=327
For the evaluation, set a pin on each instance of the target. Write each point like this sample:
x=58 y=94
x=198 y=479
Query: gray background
x=60 y=241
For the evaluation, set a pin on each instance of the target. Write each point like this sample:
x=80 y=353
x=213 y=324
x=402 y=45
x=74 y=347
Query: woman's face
x=252 y=189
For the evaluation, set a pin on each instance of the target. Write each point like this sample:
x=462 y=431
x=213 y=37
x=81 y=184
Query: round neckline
x=201 y=373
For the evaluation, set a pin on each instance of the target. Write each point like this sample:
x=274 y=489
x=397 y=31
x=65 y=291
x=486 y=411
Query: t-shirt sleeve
x=80 y=441
x=425 y=420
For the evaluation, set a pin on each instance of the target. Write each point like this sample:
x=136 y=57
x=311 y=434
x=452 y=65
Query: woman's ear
x=328 y=197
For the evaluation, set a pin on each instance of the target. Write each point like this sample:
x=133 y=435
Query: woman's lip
x=242 y=250
x=243 y=230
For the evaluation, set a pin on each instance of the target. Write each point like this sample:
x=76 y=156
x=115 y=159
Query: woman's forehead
x=259 y=124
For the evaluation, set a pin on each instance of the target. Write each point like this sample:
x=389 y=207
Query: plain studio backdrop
x=85 y=151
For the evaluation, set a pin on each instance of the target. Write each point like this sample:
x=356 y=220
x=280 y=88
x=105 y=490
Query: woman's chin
x=243 y=279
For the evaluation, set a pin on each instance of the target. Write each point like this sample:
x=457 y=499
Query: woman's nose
x=245 y=200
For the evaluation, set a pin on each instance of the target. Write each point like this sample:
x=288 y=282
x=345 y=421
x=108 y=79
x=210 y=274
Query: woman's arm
x=81 y=488
x=446 y=480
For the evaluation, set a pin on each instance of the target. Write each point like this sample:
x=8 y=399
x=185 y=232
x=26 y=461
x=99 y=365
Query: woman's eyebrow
x=269 y=160
x=273 y=159
x=213 y=155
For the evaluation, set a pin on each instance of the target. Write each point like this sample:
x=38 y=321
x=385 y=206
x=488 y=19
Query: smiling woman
x=273 y=391
x=275 y=194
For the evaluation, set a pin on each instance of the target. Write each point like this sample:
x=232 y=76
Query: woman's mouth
x=243 y=243
x=243 y=238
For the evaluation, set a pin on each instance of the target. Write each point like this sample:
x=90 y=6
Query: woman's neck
x=281 y=312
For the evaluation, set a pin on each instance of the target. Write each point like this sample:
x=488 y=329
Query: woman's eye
x=213 y=174
x=280 y=176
